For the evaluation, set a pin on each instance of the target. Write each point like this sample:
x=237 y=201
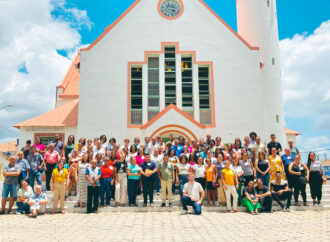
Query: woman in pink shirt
x=41 y=149
x=140 y=157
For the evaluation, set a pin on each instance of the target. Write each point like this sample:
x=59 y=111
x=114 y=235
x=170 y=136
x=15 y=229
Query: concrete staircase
x=325 y=205
x=70 y=205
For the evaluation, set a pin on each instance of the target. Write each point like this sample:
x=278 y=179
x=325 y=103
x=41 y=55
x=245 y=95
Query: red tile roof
x=70 y=82
x=289 y=131
x=65 y=115
x=9 y=146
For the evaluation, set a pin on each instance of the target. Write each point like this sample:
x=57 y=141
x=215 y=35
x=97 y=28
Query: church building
x=173 y=66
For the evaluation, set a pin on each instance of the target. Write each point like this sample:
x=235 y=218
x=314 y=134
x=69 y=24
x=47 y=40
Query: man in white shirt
x=157 y=158
x=193 y=195
x=152 y=146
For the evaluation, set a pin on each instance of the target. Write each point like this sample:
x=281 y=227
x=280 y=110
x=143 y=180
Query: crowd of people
x=248 y=174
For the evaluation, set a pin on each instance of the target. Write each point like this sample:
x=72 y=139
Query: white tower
x=257 y=24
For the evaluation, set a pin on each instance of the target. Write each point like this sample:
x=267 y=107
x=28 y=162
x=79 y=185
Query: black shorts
x=210 y=186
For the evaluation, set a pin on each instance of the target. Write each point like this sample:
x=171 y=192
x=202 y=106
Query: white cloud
x=319 y=144
x=31 y=32
x=306 y=75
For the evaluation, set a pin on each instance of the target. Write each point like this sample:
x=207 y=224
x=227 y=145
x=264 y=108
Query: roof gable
x=291 y=132
x=65 y=115
x=178 y=112
x=70 y=82
x=121 y=17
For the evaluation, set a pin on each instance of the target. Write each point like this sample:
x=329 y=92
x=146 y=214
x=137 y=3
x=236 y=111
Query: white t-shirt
x=237 y=169
x=96 y=151
x=105 y=145
x=193 y=190
x=183 y=169
x=152 y=147
x=156 y=159
x=194 y=166
x=200 y=171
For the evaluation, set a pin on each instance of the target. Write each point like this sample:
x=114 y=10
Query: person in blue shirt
x=38 y=200
x=93 y=176
x=178 y=149
x=287 y=159
x=148 y=169
x=204 y=152
x=25 y=167
x=58 y=145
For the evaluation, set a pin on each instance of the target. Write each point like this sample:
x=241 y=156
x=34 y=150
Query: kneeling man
x=193 y=195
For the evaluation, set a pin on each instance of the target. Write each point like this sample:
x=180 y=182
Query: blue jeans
x=23 y=207
x=34 y=175
x=157 y=183
x=265 y=179
x=183 y=179
x=132 y=188
x=105 y=188
x=186 y=201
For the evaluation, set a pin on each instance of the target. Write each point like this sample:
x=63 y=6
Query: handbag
x=215 y=184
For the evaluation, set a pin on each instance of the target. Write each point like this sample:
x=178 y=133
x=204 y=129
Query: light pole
x=8 y=105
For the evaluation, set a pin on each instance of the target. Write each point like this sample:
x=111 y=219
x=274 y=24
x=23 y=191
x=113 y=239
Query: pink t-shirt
x=52 y=157
x=140 y=159
x=40 y=147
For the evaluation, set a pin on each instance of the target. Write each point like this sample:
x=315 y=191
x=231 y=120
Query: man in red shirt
x=107 y=181
x=51 y=158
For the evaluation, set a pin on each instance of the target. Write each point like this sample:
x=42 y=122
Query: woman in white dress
x=82 y=182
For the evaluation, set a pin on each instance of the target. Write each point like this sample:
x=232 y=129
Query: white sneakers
x=183 y=212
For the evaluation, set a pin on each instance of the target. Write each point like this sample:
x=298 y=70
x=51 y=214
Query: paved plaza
x=163 y=226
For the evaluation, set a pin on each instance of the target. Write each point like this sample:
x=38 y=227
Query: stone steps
x=70 y=205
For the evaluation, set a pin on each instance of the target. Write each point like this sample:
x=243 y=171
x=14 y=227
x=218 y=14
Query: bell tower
x=257 y=24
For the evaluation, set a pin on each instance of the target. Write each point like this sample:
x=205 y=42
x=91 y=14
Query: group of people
x=250 y=174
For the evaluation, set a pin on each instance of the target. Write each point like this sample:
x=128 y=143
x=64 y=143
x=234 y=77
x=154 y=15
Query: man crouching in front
x=193 y=195
x=37 y=201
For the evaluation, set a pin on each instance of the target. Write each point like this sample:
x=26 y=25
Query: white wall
x=103 y=75
x=3 y=162
x=28 y=133
x=291 y=137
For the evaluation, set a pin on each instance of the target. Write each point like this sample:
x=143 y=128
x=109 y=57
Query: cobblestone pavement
x=154 y=226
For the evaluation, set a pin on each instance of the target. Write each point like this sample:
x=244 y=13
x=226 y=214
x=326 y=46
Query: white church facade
x=173 y=66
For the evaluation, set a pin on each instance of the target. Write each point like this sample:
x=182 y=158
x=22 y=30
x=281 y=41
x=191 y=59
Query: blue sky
x=31 y=30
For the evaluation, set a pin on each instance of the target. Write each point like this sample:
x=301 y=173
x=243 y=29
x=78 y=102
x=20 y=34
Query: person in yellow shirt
x=230 y=184
x=60 y=178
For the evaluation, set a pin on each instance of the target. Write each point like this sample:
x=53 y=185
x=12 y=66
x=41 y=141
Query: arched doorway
x=176 y=130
